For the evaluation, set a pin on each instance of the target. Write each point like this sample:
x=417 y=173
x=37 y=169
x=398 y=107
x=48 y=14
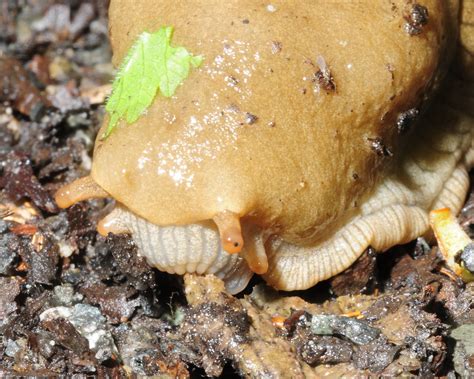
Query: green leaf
x=152 y=64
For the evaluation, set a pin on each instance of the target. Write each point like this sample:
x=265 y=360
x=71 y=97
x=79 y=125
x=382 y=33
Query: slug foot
x=194 y=248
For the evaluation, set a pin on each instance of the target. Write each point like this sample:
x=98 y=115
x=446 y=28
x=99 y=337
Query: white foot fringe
x=294 y=267
x=194 y=248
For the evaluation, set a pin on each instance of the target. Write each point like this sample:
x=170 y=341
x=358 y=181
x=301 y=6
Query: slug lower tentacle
x=254 y=251
x=113 y=223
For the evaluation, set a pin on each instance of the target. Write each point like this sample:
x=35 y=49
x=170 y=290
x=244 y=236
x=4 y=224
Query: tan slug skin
x=303 y=165
x=312 y=130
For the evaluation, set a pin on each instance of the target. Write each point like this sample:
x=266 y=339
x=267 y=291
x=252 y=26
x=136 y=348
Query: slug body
x=294 y=146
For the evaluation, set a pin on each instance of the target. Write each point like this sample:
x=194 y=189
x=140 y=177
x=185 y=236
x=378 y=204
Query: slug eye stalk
x=230 y=231
x=81 y=189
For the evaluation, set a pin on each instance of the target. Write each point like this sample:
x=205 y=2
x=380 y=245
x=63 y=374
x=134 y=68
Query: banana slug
x=310 y=132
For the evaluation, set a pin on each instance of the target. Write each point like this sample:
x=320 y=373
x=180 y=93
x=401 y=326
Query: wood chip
x=452 y=240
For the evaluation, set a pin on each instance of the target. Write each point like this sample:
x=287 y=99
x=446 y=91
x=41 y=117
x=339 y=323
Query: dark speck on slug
x=250 y=118
x=416 y=19
x=377 y=145
x=405 y=120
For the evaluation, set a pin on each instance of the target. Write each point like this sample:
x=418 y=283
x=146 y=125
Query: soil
x=77 y=304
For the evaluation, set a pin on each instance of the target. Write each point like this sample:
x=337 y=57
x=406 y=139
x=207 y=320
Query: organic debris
x=16 y=87
x=81 y=320
x=19 y=182
x=359 y=278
